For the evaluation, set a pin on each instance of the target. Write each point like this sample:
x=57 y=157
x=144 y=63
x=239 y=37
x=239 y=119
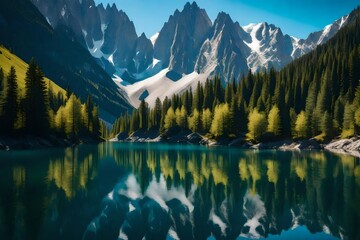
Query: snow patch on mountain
x=154 y=38
x=159 y=86
x=256 y=57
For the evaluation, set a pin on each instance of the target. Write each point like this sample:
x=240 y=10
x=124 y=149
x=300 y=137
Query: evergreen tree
x=274 y=122
x=220 y=125
x=326 y=125
x=36 y=101
x=134 y=121
x=60 y=120
x=257 y=125
x=143 y=115
x=181 y=117
x=206 y=120
x=96 y=122
x=218 y=92
x=195 y=121
x=293 y=117
x=301 y=127
x=348 y=121
x=89 y=117
x=208 y=95
x=170 y=119
x=198 y=97
x=68 y=91
x=73 y=117
x=10 y=103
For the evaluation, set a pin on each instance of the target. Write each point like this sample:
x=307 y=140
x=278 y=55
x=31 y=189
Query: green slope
x=7 y=59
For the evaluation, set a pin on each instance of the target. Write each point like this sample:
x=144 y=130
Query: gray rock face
x=224 y=52
x=144 y=53
x=181 y=37
x=270 y=47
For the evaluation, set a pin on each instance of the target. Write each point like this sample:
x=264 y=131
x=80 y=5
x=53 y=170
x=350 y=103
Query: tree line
x=40 y=111
x=317 y=95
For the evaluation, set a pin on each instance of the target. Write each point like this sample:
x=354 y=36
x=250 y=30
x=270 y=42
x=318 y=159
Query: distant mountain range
x=189 y=48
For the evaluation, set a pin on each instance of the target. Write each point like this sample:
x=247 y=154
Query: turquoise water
x=156 y=191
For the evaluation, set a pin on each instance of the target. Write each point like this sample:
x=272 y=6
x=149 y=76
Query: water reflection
x=128 y=191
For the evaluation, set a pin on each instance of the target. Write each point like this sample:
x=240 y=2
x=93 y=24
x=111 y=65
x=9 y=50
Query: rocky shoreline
x=340 y=146
x=343 y=146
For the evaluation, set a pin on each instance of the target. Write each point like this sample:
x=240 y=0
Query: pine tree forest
x=317 y=96
x=41 y=112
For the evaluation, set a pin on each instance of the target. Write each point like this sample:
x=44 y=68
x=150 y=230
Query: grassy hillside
x=7 y=59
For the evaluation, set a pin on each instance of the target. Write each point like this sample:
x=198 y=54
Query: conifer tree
x=274 y=122
x=143 y=112
x=36 y=101
x=326 y=125
x=89 y=117
x=73 y=117
x=301 y=127
x=157 y=112
x=96 y=122
x=257 y=125
x=348 y=121
x=60 y=120
x=220 y=125
x=10 y=102
x=206 y=120
x=208 y=95
x=134 y=121
x=195 y=121
x=170 y=119
x=181 y=117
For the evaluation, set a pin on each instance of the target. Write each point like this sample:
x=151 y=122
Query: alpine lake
x=161 y=191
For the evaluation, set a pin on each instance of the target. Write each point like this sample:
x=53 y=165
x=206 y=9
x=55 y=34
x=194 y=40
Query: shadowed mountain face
x=106 y=32
x=132 y=191
x=27 y=33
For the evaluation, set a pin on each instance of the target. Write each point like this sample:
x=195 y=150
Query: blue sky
x=295 y=17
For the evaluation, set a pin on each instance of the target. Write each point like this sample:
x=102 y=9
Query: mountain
x=25 y=31
x=181 y=38
x=106 y=32
x=189 y=47
x=224 y=52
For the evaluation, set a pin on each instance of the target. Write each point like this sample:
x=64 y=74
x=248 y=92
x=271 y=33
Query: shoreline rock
x=344 y=146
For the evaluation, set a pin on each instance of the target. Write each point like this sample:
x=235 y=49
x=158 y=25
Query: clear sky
x=295 y=17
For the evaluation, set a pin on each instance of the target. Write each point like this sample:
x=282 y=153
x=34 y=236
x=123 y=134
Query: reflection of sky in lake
x=177 y=192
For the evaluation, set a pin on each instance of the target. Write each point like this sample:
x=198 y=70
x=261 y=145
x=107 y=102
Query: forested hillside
x=317 y=95
x=32 y=104
x=27 y=33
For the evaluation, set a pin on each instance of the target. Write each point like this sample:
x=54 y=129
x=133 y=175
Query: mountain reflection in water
x=131 y=191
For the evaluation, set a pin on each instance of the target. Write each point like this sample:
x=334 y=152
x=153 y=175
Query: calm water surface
x=132 y=191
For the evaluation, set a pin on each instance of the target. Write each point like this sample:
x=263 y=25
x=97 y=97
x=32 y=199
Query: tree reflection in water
x=119 y=191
